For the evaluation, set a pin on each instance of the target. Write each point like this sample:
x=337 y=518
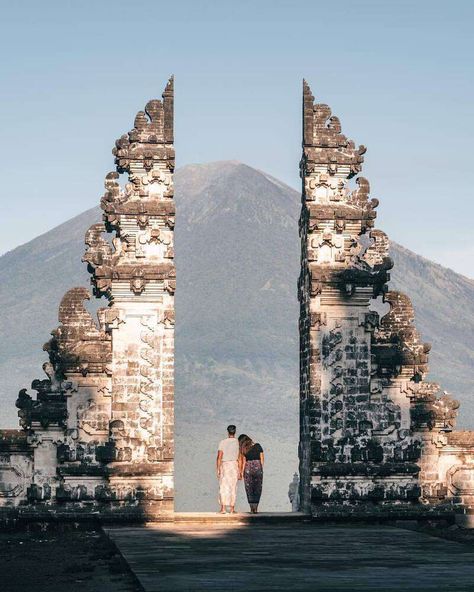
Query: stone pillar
x=352 y=432
x=139 y=279
x=101 y=427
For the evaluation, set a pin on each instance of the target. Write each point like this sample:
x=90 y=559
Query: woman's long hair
x=245 y=443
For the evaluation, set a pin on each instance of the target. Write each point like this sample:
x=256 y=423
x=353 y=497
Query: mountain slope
x=237 y=259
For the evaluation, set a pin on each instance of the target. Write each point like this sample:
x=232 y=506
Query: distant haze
x=237 y=259
x=398 y=74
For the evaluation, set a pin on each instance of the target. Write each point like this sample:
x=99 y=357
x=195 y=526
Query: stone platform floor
x=230 y=554
x=62 y=559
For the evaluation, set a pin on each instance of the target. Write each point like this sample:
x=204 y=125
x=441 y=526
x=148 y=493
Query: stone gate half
x=99 y=433
x=375 y=436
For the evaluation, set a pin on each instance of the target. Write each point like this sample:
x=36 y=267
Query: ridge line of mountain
x=236 y=300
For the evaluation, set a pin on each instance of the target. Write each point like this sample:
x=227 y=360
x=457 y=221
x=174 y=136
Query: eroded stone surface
x=99 y=431
x=98 y=434
x=373 y=432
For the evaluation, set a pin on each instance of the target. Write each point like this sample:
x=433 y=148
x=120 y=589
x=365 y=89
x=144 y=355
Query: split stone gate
x=376 y=439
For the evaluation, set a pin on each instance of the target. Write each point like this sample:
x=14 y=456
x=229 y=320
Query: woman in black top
x=251 y=470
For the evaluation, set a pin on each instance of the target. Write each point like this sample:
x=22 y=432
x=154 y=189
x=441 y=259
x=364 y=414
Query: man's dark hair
x=231 y=429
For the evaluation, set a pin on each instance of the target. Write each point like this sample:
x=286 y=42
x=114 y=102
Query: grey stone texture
x=98 y=435
x=375 y=438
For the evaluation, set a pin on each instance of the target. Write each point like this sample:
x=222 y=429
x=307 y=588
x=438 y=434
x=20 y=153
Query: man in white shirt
x=228 y=470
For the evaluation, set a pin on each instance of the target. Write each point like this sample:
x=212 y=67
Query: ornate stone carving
x=93 y=418
x=12 y=481
x=324 y=143
x=371 y=428
x=100 y=428
x=78 y=345
x=397 y=341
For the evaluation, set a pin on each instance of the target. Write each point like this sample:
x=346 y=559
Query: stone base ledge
x=42 y=514
x=383 y=512
x=58 y=516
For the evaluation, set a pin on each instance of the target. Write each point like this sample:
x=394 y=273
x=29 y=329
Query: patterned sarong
x=253 y=479
x=228 y=482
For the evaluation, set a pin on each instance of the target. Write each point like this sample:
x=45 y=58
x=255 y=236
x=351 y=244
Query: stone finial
x=398 y=332
x=433 y=408
x=45 y=411
x=98 y=250
x=78 y=345
x=151 y=138
x=377 y=253
x=323 y=141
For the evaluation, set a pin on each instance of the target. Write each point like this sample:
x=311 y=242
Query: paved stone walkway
x=62 y=558
x=234 y=556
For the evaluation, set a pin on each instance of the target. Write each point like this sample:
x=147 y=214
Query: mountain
x=237 y=260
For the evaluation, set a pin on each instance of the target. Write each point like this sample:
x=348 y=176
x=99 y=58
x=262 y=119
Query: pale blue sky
x=398 y=74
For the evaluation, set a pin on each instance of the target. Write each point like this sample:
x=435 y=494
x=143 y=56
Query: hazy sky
x=399 y=74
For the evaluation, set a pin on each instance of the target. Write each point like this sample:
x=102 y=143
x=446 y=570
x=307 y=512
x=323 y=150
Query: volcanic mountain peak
x=237 y=255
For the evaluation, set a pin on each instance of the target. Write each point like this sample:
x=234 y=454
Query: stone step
x=239 y=517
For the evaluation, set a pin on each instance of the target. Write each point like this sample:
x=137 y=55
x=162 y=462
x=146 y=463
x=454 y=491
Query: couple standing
x=239 y=458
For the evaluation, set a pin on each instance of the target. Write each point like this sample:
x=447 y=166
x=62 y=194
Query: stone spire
x=324 y=145
x=365 y=407
x=101 y=427
x=138 y=276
